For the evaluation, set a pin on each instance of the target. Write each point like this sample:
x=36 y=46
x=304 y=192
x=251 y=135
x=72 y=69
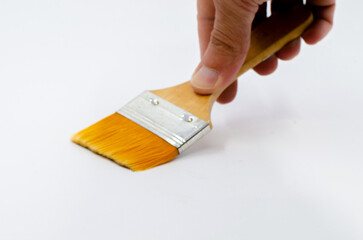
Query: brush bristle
x=126 y=143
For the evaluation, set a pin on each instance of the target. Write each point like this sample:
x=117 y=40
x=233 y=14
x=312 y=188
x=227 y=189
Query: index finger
x=324 y=14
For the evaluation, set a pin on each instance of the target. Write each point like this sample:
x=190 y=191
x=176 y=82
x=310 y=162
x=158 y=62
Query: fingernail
x=205 y=78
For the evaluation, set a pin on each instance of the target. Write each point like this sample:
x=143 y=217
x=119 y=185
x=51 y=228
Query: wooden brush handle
x=266 y=39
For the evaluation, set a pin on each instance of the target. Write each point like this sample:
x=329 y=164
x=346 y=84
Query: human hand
x=224 y=28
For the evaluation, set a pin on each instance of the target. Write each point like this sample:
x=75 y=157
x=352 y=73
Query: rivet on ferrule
x=154 y=101
x=187 y=118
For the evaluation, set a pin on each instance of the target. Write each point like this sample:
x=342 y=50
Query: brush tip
x=126 y=143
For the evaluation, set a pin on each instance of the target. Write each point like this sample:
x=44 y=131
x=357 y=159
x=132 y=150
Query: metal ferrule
x=170 y=122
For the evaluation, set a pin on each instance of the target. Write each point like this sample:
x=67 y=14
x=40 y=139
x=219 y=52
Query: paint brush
x=158 y=125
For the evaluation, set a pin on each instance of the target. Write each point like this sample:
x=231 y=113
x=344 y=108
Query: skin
x=224 y=28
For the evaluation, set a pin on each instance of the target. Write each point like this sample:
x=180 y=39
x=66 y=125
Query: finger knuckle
x=225 y=44
x=238 y=5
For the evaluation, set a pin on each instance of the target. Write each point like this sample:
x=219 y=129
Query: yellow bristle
x=126 y=143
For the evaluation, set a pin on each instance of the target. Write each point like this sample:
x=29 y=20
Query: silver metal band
x=170 y=122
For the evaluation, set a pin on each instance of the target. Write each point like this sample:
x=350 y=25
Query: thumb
x=227 y=47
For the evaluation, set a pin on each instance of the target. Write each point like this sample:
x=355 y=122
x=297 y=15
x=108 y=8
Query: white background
x=284 y=160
